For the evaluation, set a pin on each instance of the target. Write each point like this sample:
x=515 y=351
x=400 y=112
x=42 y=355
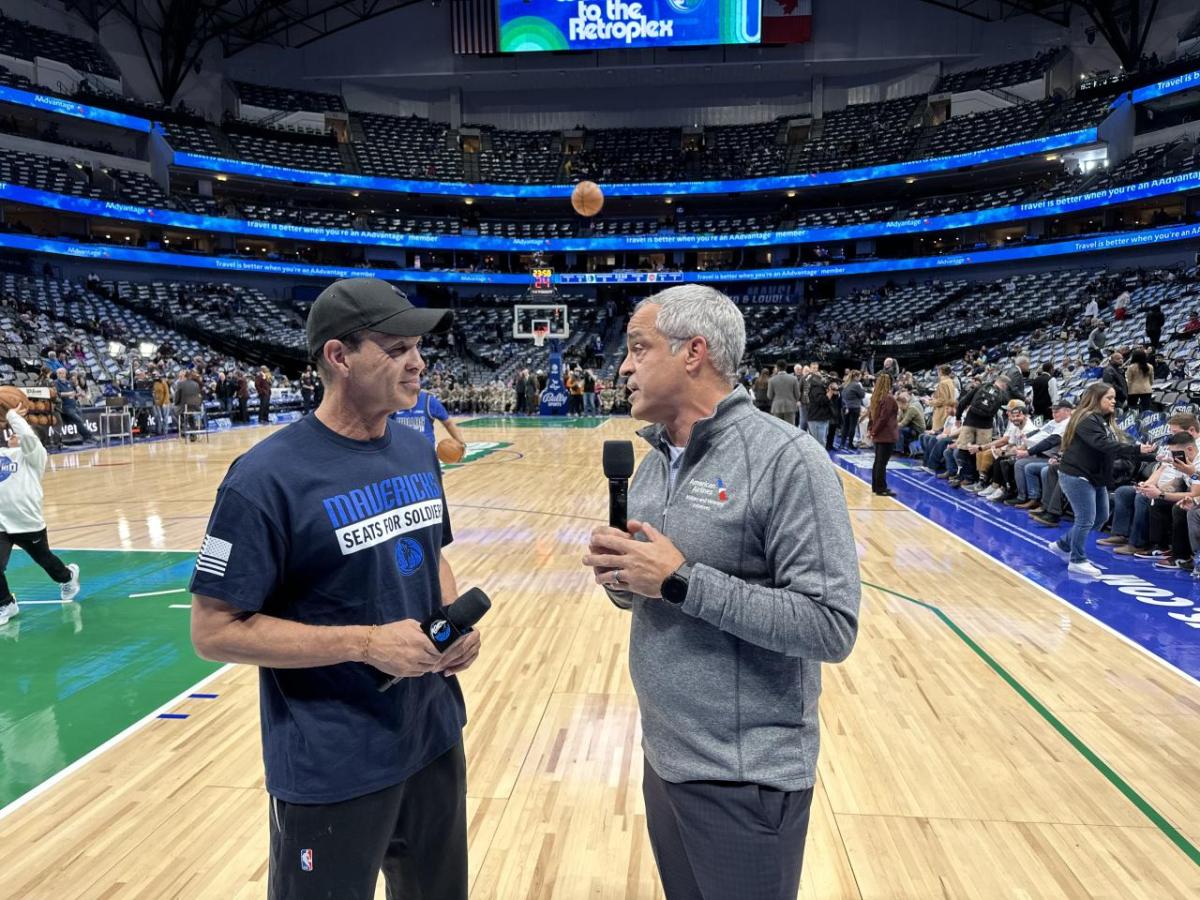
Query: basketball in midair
x=587 y=198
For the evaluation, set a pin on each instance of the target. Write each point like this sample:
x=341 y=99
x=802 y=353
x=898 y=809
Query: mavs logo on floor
x=409 y=556
x=8 y=466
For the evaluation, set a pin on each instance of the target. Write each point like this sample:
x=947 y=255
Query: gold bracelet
x=367 y=643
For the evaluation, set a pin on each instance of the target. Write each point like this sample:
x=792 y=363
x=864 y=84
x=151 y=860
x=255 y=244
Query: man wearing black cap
x=321 y=559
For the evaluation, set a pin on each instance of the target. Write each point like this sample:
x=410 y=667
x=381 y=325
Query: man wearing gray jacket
x=740 y=569
x=783 y=390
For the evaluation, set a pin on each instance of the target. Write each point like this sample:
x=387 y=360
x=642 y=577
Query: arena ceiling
x=1124 y=24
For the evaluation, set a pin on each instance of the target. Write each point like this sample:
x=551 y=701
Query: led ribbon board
x=65 y=107
x=1093 y=244
x=1082 y=137
x=1173 y=184
x=1174 y=85
x=539 y=26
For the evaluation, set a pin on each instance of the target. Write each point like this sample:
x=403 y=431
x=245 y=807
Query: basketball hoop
x=540 y=332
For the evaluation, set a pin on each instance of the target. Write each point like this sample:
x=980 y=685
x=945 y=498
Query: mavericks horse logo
x=409 y=556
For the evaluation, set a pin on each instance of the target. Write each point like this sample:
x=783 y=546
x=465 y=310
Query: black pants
x=1160 y=524
x=415 y=831
x=1004 y=474
x=716 y=840
x=38 y=547
x=883 y=452
x=1140 y=402
x=264 y=409
x=1181 y=545
x=243 y=402
x=849 y=427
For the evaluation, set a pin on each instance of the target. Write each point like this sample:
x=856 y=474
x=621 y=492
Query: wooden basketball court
x=983 y=739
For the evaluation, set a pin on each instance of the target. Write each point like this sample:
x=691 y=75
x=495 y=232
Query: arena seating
x=66 y=309
x=1001 y=76
x=317 y=218
x=520 y=157
x=731 y=224
x=45 y=174
x=526 y=229
x=12 y=79
x=631 y=154
x=192 y=139
x=617 y=227
x=219 y=309
x=287 y=100
x=862 y=134
x=401 y=224
x=292 y=154
x=948 y=204
x=1008 y=125
x=407 y=147
x=26 y=41
x=749 y=151
x=135 y=187
x=854 y=215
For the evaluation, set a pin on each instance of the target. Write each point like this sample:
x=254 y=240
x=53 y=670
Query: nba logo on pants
x=306 y=860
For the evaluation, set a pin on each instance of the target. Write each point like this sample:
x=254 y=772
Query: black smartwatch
x=674 y=589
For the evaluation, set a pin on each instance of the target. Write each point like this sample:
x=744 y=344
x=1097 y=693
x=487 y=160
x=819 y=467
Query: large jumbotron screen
x=541 y=25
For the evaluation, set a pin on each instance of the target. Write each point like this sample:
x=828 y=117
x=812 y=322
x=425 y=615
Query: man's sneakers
x=70 y=590
x=1152 y=555
x=1084 y=568
x=9 y=609
x=1058 y=551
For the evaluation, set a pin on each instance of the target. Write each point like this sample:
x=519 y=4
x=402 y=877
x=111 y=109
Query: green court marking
x=534 y=422
x=1087 y=752
x=477 y=450
x=76 y=674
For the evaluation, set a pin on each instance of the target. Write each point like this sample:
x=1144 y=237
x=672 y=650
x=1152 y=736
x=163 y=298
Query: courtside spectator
x=977 y=409
x=1002 y=473
x=1031 y=461
x=819 y=408
x=911 y=421
x=1091 y=443
x=884 y=429
x=783 y=391
x=1139 y=378
x=1114 y=375
x=945 y=398
x=853 y=396
x=262 y=384
x=1044 y=387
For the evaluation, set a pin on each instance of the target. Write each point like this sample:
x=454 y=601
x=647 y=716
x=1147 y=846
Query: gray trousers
x=1193 y=528
x=719 y=840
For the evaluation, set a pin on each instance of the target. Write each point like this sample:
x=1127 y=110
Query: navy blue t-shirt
x=420 y=417
x=317 y=528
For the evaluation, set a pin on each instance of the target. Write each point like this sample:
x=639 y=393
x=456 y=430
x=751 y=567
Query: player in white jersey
x=22 y=464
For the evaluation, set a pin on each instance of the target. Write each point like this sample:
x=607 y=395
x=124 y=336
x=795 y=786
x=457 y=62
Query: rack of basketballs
x=39 y=410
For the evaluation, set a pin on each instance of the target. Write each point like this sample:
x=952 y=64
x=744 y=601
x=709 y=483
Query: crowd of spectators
x=1063 y=427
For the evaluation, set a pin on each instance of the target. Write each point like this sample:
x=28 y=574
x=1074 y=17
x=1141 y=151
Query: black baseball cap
x=1063 y=404
x=353 y=304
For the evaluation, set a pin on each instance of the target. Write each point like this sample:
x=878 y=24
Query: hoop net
x=539 y=334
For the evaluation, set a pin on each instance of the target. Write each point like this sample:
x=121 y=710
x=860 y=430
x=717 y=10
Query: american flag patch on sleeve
x=214 y=556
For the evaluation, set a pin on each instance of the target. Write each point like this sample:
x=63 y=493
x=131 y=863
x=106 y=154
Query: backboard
x=538 y=321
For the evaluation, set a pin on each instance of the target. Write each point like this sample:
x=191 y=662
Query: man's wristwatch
x=674 y=589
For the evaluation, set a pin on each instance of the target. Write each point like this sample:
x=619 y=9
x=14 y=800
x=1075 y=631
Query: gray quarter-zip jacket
x=728 y=681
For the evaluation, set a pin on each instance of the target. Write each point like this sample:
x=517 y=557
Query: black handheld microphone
x=451 y=622
x=618 y=467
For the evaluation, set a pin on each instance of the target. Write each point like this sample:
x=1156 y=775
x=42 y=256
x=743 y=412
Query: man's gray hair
x=697 y=310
